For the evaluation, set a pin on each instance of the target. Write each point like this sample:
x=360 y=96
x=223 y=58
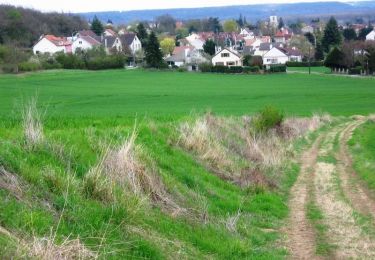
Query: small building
x=195 y=41
x=227 y=57
x=279 y=55
x=52 y=44
x=84 y=43
x=371 y=36
x=110 y=32
x=131 y=41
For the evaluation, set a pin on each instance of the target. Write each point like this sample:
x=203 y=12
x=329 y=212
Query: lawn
x=137 y=92
x=362 y=146
x=323 y=70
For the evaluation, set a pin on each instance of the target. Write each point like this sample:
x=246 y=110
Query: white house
x=246 y=33
x=186 y=55
x=52 y=44
x=279 y=55
x=371 y=36
x=110 y=32
x=131 y=41
x=275 y=56
x=195 y=41
x=84 y=43
x=227 y=57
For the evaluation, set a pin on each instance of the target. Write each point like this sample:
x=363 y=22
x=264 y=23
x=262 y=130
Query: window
x=219 y=64
x=80 y=42
x=225 y=55
x=230 y=63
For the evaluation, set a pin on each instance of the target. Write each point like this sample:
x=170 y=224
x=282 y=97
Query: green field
x=322 y=70
x=362 y=147
x=51 y=190
x=129 y=93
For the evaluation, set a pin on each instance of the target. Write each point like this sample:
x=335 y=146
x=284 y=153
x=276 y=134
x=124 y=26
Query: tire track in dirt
x=360 y=198
x=343 y=230
x=300 y=233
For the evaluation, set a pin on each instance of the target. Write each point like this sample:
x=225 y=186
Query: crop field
x=163 y=165
x=130 y=93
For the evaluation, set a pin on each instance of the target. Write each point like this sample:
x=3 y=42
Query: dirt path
x=301 y=238
x=327 y=169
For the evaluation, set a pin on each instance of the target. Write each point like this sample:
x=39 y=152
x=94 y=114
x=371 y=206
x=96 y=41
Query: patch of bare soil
x=300 y=233
x=360 y=198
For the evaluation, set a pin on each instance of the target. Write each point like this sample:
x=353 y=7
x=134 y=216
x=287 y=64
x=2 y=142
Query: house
x=227 y=57
x=86 y=33
x=371 y=36
x=247 y=34
x=307 y=29
x=110 y=32
x=84 y=43
x=52 y=44
x=131 y=42
x=186 y=55
x=283 y=35
x=111 y=43
x=195 y=41
x=281 y=55
x=274 y=56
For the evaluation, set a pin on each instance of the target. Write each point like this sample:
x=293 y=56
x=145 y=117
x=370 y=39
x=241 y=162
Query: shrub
x=70 y=61
x=249 y=69
x=205 y=67
x=355 y=71
x=29 y=66
x=256 y=61
x=268 y=118
x=108 y=62
x=277 y=68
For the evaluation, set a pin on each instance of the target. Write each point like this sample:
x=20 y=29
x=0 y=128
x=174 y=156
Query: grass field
x=363 y=151
x=323 y=70
x=127 y=93
x=65 y=186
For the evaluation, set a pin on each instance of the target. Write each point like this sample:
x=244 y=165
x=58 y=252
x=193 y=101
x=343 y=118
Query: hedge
x=229 y=70
x=29 y=66
x=304 y=64
x=356 y=70
x=277 y=68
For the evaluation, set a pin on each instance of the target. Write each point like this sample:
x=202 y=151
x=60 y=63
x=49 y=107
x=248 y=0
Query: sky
x=75 y=6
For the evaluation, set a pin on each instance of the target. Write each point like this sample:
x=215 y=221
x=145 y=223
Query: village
x=276 y=44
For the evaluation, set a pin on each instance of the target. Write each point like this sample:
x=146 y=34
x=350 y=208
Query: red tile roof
x=58 y=41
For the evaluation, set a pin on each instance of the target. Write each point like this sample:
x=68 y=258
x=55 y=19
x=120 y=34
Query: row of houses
x=87 y=39
x=235 y=47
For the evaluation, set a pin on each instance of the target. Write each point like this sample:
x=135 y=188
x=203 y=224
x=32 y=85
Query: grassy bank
x=362 y=146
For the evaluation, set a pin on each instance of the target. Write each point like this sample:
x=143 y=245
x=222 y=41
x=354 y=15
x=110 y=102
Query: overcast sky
x=122 y=5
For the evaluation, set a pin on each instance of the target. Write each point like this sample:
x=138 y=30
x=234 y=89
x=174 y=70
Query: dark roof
x=265 y=46
x=87 y=33
x=127 y=38
x=248 y=50
x=90 y=40
x=290 y=51
x=110 y=40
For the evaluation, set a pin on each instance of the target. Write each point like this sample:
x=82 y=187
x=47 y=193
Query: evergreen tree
x=97 y=26
x=334 y=59
x=154 y=56
x=209 y=47
x=281 y=23
x=142 y=34
x=240 y=21
x=349 y=34
x=332 y=35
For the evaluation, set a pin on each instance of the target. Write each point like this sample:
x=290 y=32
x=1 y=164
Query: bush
x=256 y=61
x=235 y=69
x=109 y=62
x=268 y=118
x=355 y=71
x=9 y=68
x=70 y=61
x=205 y=67
x=249 y=69
x=182 y=69
x=304 y=64
x=277 y=68
x=29 y=66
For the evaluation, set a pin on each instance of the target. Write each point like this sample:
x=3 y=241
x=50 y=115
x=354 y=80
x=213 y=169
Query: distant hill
x=252 y=12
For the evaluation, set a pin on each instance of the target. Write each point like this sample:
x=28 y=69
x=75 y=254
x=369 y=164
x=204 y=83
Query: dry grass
x=231 y=222
x=11 y=183
x=371 y=117
x=230 y=147
x=32 y=124
x=46 y=248
x=122 y=167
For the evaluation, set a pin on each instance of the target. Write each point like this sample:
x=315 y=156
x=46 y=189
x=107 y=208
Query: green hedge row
x=229 y=70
